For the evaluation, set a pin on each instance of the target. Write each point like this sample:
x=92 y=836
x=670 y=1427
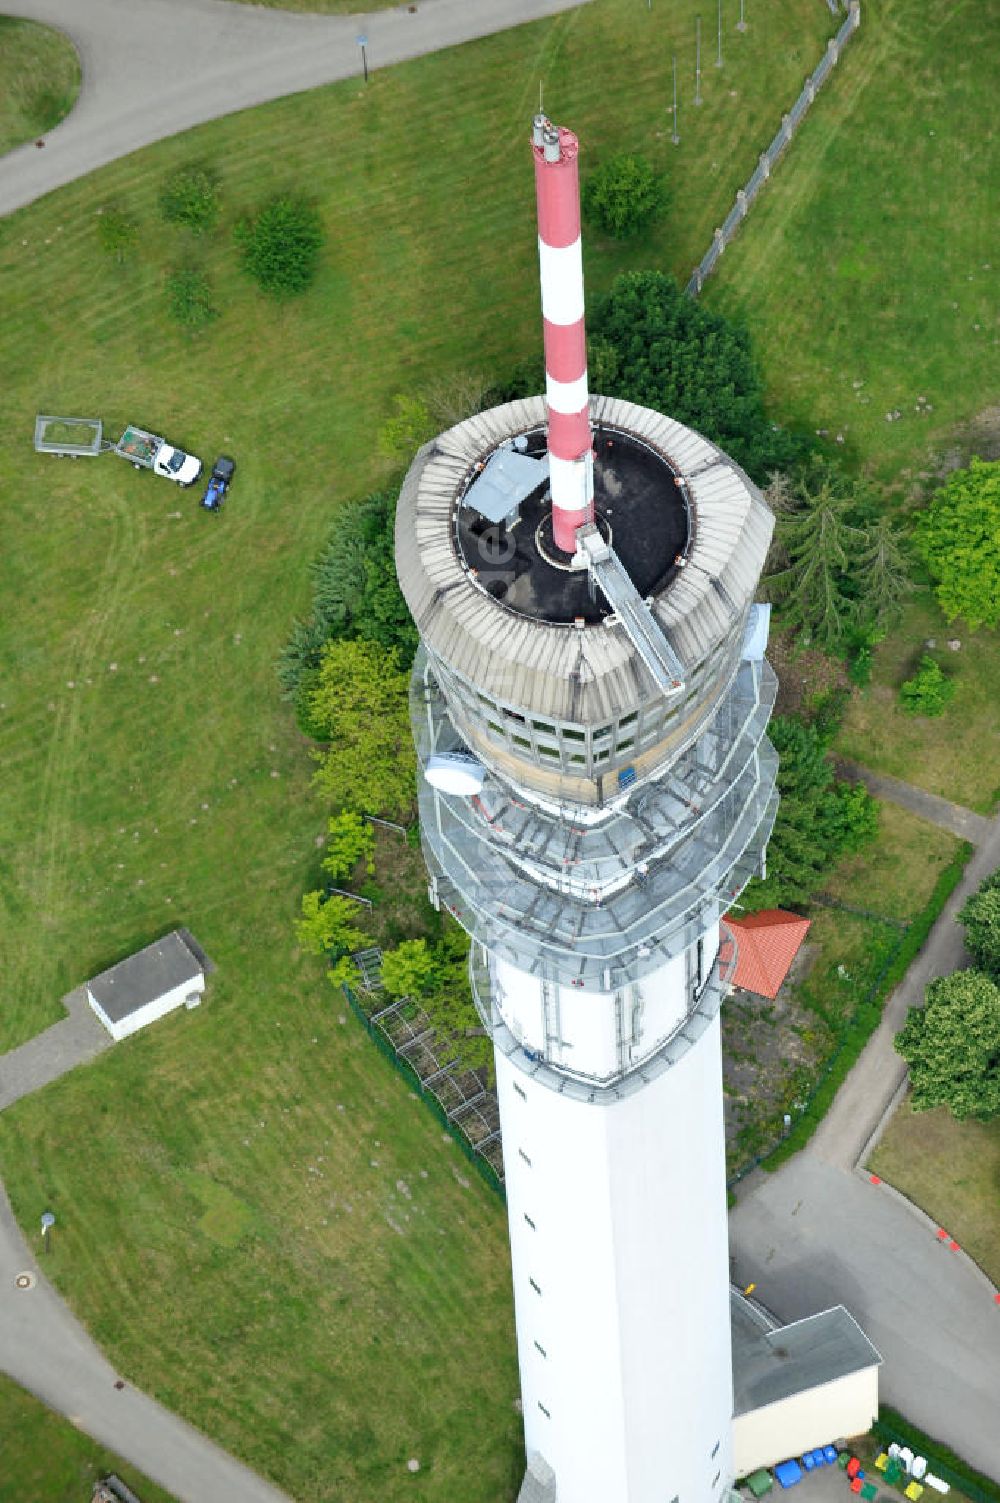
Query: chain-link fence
x=461 y=1099
x=769 y=158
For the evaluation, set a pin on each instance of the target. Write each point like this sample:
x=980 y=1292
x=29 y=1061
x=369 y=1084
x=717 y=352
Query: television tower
x=589 y=707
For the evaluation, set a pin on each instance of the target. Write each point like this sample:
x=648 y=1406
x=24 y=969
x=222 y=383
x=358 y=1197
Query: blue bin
x=788 y=1473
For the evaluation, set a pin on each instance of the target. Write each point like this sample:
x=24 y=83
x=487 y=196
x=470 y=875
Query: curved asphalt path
x=818 y=1232
x=152 y=68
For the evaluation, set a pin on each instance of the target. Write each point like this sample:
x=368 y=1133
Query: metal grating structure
x=468 y=1101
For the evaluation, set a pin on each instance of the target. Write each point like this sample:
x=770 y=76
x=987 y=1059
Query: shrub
x=189 y=297
x=190 y=196
x=928 y=691
x=624 y=195
x=281 y=245
x=116 y=232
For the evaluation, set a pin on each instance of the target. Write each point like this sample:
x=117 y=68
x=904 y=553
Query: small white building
x=167 y=974
x=798 y=1386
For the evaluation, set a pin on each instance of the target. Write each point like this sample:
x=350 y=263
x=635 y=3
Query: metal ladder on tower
x=641 y=626
x=550 y=1019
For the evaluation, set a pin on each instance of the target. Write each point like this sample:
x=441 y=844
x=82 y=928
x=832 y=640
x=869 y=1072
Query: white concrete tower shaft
x=589 y=820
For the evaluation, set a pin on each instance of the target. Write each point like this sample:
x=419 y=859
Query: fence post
x=854 y=13
x=765 y=165
x=810 y=89
x=697 y=277
x=720 y=241
x=833 y=48
x=741 y=202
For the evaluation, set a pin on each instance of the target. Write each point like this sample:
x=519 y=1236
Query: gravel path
x=937 y=811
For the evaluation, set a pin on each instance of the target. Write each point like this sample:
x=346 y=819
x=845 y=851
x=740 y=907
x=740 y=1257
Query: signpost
x=363 y=44
x=48 y=1222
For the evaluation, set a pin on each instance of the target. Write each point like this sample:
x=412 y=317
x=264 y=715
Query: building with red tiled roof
x=766 y=944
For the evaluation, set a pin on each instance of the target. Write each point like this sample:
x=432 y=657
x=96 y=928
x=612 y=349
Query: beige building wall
x=814 y=1417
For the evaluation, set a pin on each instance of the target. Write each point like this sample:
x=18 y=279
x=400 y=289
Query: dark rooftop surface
x=132 y=983
x=770 y=1365
x=640 y=510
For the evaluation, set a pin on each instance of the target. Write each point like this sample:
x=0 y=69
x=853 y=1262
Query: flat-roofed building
x=146 y=986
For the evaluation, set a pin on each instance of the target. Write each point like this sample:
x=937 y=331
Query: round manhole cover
x=24 y=1281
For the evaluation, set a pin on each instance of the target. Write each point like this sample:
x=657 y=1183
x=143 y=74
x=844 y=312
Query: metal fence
x=462 y=1098
x=769 y=158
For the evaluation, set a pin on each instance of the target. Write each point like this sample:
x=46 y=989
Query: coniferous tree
x=817 y=541
x=881 y=574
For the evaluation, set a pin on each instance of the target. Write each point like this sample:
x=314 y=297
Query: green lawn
x=255 y=1162
x=871 y=255
x=39 y=80
x=952 y=1171
x=45 y=1459
x=895 y=877
x=957 y=754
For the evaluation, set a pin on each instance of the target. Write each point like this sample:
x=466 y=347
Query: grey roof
x=507 y=479
x=139 y=980
x=771 y=1362
x=592 y=674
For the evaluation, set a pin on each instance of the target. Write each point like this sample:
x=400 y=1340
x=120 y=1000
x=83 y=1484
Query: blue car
x=219 y=483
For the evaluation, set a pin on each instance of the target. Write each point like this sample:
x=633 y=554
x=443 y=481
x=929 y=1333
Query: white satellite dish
x=455 y=772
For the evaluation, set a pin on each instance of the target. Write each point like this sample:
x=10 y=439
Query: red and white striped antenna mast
x=570 y=440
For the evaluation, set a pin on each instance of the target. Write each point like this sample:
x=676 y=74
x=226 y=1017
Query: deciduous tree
x=981 y=917
x=952 y=1046
x=673 y=354
x=349 y=839
x=328 y=924
x=959 y=540
x=360 y=707
x=624 y=195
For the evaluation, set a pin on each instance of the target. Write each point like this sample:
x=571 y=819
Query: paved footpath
x=152 y=68
x=78 y=1038
x=817 y=1232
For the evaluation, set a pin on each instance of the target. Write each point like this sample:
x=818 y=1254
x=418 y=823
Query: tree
x=360 y=705
x=928 y=691
x=410 y=970
x=624 y=195
x=812 y=585
x=281 y=245
x=952 y=1046
x=959 y=540
x=675 y=355
x=327 y=924
x=349 y=840
x=355 y=595
x=881 y=574
x=818 y=817
x=981 y=917
x=190 y=196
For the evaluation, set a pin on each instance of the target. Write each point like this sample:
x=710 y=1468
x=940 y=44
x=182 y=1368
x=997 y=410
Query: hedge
x=942 y=1461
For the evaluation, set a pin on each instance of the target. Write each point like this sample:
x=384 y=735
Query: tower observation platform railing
x=704 y=1005
x=603 y=904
